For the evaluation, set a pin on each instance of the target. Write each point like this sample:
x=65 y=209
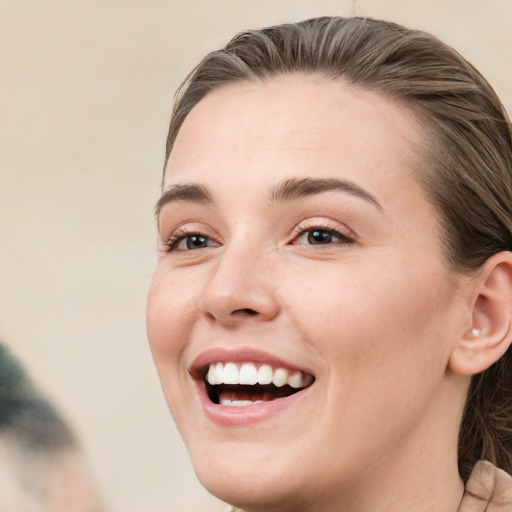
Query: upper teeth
x=250 y=374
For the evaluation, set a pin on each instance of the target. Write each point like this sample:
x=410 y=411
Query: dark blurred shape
x=42 y=468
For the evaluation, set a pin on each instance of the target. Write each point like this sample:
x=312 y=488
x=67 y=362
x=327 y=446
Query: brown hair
x=468 y=175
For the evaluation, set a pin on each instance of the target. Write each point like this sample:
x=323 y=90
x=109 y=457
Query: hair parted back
x=466 y=170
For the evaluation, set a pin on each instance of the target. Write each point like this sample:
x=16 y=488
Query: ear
x=490 y=333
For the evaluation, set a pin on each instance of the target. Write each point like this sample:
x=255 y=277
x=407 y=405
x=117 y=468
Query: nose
x=240 y=289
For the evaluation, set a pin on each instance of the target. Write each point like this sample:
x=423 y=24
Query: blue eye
x=189 y=242
x=319 y=236
x=195 y=242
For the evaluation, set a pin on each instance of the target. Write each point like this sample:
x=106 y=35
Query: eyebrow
x=293 y=188
x=301 y=187
x=191 y=192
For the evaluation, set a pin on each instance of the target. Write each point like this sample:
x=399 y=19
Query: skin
x=373 y=318
x=14 y=497
x=59 y=481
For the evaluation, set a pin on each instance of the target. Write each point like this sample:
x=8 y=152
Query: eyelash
x=301 y=230
x=181 y=234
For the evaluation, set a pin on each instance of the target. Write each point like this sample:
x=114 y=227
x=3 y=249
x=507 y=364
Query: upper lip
x=241 y=355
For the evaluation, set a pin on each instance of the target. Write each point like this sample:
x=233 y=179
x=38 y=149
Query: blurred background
x=86 y=89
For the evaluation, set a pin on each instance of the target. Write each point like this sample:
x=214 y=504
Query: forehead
x=299 y=121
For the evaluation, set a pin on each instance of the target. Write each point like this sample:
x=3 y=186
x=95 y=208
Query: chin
x=250 y=477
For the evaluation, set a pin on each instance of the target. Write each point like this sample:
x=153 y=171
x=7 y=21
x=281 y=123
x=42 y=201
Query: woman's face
x=297 y=247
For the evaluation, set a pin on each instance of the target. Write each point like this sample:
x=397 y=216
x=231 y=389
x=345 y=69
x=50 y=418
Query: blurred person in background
x=42 y=467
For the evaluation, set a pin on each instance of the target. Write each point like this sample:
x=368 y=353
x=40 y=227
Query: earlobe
x=490 y=334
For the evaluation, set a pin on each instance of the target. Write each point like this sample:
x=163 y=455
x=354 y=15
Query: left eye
x=318 y=236
x=191 y=242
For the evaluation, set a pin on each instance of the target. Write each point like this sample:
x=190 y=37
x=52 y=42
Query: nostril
x=244 y=311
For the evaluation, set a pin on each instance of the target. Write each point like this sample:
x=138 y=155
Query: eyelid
x=184 y=231
x=324 y=224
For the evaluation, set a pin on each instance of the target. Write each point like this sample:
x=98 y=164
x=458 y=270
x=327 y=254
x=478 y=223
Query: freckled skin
x=374 y=319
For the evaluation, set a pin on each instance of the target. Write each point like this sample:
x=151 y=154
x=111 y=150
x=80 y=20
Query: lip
x=237 y=416
x=243 y=355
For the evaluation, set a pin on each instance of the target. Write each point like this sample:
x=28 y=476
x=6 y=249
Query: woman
x=331 y=311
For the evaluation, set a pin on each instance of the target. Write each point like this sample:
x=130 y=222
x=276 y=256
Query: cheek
x=373 y=320
x=383 y=355
x=171 y=311
x=170 y=315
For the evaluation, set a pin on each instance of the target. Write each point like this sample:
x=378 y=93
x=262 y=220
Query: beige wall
x=86 y=88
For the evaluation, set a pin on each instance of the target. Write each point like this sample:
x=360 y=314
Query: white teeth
x=238 y=403
x=280 y=377
x=248 y=374
x=295 y=380
x=219 y=373
x=230 y=374
x=265 y=374
x=211 y=375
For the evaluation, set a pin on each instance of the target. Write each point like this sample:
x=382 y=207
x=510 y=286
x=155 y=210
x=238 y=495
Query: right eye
x=189 y=242
x=319 y=236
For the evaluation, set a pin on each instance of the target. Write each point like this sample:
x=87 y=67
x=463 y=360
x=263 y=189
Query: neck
x=428 y=488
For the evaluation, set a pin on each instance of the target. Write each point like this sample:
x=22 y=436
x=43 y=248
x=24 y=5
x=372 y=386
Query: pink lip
x=222 y=355
x=236 y=416
x=233 y=416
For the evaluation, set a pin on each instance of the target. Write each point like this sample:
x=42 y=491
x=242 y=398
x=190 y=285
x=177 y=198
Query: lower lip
x=247 y=414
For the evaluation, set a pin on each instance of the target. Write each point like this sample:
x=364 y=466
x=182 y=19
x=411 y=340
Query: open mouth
x=238 y=385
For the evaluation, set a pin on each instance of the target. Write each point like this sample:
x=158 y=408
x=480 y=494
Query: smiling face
x=297 y=247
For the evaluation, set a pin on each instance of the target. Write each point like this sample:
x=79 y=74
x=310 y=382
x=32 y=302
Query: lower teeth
x=244 y=396
x=239 y=403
